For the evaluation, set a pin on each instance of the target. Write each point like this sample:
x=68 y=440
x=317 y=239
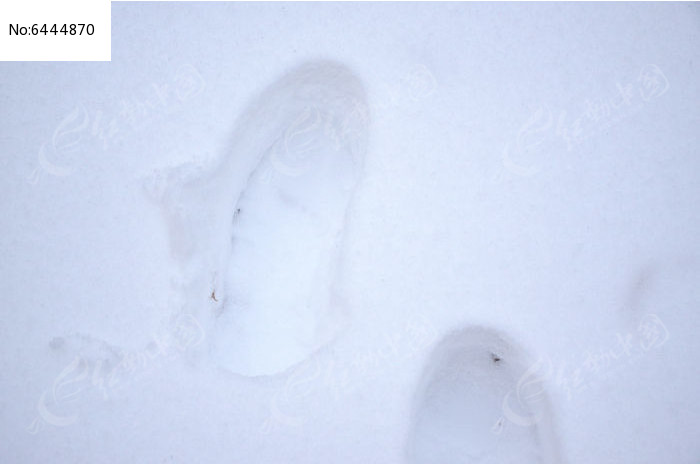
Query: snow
x=468 y=382
x=356 y=233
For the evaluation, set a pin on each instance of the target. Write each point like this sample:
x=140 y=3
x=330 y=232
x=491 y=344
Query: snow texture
x=373 y=232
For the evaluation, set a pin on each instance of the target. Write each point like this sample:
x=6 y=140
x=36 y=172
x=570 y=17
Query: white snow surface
x=382 y=233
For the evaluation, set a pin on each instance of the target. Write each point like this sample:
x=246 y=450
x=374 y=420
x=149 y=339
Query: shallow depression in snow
x=478 y=403
x=303 y=142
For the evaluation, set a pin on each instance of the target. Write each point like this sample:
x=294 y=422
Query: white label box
x=55 y=30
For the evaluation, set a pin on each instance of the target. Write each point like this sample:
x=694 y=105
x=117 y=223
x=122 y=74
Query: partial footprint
x=480 y=401
x=257 y=233
x=288 y=223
